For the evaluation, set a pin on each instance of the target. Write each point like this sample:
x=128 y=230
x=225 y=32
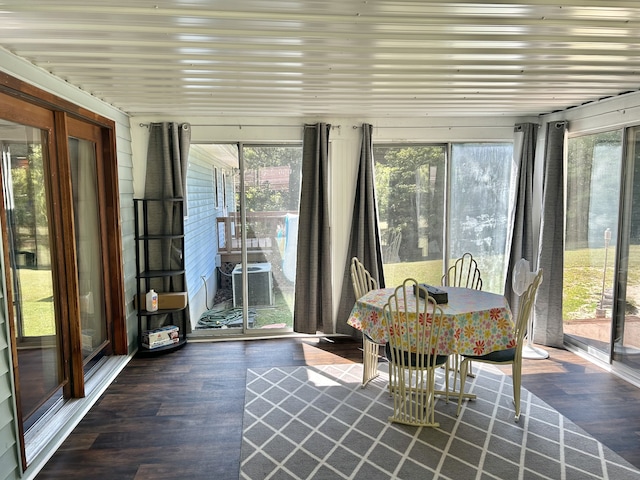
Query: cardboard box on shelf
x=160 y=337
x=167 y=301
x=161 y=343
x=172 y=300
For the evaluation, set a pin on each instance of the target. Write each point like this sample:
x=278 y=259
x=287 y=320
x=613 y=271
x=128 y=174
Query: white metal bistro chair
x=511 y=356
x=364 y=283
x=412 y=339
x=463 y=273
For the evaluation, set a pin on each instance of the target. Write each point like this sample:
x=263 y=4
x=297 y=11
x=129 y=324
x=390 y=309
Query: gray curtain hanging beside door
x=166 y=178
x=313 y=299
x=364 y=240
x=522 y=231
x=548 y=328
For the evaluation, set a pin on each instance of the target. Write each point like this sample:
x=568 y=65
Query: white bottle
x=152 y=301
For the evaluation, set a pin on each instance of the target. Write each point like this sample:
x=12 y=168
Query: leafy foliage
x=410 y=194
x=29 y=196
x=593 y=186
x=261 y=195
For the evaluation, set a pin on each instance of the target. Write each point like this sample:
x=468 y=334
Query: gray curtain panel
x=313 y=302
x=522 y=230
x=167 y=157
x=166 y=177
x=548 y=307
x=364 y=241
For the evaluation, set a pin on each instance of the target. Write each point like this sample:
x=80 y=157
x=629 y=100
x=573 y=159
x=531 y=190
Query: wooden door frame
x=65 y=272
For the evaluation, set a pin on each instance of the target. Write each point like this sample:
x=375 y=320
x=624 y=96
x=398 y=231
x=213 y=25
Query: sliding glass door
x=36 y=320
x=271 y=199
x=626 y=332
x=593 y=167
x=601 y=297
x=63 y=265
x=255 y=196
x=85 y=165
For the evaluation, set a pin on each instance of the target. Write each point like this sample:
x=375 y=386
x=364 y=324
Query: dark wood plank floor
x=179 y=416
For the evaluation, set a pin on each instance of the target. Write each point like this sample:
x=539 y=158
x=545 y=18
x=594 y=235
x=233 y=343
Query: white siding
x=9 y=459
x=201 y=235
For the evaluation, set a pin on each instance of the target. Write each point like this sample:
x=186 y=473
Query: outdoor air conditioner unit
x=260 y=284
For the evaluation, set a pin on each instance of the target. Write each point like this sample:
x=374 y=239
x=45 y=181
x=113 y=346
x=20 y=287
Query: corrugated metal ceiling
x=396 y=58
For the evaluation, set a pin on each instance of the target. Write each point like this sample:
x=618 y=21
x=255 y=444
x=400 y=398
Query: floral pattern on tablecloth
x=476 y=322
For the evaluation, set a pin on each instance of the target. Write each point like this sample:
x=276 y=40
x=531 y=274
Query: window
x=480 y=189
x=216 y=195
x=414 y=185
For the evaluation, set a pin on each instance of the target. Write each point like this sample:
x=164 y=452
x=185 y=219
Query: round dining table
x=477 y=322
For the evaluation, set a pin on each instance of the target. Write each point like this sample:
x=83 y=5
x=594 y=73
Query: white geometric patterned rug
x=315 y=422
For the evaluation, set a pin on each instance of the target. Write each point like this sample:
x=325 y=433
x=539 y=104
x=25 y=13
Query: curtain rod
x=240 y=126
x=430 y=127
x=408 y=127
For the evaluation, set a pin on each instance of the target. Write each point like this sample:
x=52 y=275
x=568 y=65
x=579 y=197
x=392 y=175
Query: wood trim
x=25 y=91
x=18 y=111
x=12 y=330
x=69 y=294
x=114 y=239
x=60 y=283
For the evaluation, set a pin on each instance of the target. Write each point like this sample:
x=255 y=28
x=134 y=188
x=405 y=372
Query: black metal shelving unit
x=147 y=278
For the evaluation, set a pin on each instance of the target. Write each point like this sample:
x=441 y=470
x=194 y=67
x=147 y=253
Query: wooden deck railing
x=263 y=228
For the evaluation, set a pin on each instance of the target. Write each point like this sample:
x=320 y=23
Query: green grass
x=36 y=287
x=281 y=312
x=428 y=271
x=583 y=280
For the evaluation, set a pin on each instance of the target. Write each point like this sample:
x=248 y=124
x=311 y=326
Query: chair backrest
x=527 y=300
x=390 y=251
x=412 y=333
x=361 y=279
x=463 y=273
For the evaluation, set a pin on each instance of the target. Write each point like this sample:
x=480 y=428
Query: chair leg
x=463 y=378
x=456 y=368
x=454 y=364
x=516 y=379
x=446 y=382
x=413 y=396
x=369 y=361
x=431 y=397
x=392 y=377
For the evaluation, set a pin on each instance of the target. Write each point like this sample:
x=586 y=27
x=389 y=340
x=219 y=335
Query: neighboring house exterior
x=131 y=146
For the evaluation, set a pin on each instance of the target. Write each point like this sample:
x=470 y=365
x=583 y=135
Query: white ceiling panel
x=388 y=58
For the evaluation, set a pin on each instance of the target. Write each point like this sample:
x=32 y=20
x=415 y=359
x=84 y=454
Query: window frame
x=447 y=148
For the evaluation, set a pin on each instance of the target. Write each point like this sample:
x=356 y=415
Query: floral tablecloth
x=477 y=322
